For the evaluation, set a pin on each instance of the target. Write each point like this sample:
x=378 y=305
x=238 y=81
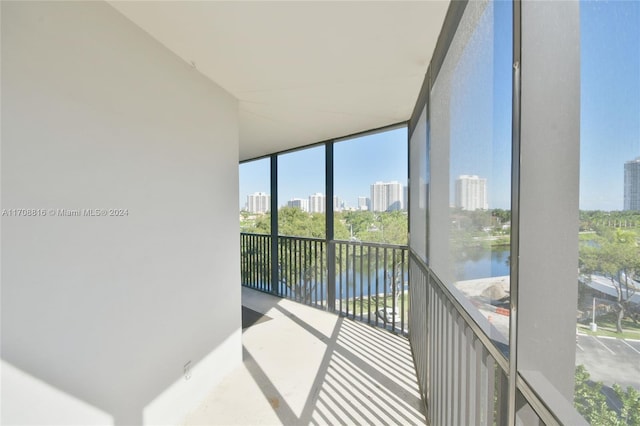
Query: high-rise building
x=632 y=184
x=299 y=203
x=405 y=198
x=317 y=203
x=387 y=196
x=364 y=203
x=258 y=202
x=471 y=193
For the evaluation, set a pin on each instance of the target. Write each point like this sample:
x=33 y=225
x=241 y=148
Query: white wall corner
x=173 y=405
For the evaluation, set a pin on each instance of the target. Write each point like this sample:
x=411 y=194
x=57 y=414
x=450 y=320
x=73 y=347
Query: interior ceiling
x=303 y=72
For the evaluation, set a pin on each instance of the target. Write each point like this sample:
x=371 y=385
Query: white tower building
x=258 y=202
x=471 y=192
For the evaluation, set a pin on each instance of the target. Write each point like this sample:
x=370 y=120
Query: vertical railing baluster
x=309 y=273
x=303 y=271
x=263 y=253
x=384 y=286
x=270 y=286
x=254 y=271
x=281 y=267
x=479 y=350
x=355 y=281
x=470 y=374
x=242 y=259
x=315 y=272
x=259 y=262
x=491 y=383
x=296 y=267
x=346 y=247
x=394 y=290
x=402 y=291
x=322 y=263
x=361 y=283
x=290 y=269
x=299 y=271
x=377 y=272
x=368 y=284
x=339 y=267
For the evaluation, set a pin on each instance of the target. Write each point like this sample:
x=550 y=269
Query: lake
x=483 y=264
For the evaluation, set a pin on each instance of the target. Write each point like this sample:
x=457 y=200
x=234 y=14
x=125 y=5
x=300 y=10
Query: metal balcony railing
x=364 y=281
x=462 y=376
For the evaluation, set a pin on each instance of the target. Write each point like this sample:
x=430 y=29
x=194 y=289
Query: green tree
x=294 y=222
x=590 y=402
x=630 y=398
x=614 y=255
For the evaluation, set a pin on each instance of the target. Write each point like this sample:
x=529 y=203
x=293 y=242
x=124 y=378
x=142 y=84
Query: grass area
x=587 y=236
x=607 y=327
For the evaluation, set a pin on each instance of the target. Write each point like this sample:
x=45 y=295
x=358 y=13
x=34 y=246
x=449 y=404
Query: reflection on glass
x=255 y=200
x=370 y=181
x=608 y=328
x=471 y=110
x=301 y=193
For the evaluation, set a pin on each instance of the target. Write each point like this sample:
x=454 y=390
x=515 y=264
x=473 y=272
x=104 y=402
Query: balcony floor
x=306 y=366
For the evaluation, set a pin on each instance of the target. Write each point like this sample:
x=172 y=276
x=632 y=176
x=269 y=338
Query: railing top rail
x=353 y=243
x=372 y=244
x=256 y=234
x=292 y=237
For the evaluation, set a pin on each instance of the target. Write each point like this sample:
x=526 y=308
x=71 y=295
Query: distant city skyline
x=384 y=196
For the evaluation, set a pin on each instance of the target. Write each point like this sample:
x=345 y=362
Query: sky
x=480 y=119
x=610 y=100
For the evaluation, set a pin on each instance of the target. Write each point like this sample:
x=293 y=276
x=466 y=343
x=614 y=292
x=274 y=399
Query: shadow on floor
x=365 y=376
x=251 y=317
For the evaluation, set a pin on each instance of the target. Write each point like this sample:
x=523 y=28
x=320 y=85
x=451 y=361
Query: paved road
x=610 y=360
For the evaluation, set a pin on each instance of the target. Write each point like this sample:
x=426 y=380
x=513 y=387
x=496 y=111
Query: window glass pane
x=370 y=184
x=471 y=166
x=608 y=310
x=254 y=197
x=301 y=193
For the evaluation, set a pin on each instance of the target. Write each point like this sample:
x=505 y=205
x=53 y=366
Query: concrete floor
x=306 y=366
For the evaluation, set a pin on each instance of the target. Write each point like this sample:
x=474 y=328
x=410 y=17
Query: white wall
x=103 y=312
